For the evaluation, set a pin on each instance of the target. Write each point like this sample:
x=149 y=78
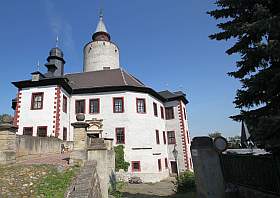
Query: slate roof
x=103 y=78
x=169 y=96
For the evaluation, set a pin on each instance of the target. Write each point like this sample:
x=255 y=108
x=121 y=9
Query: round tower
x=101 y=53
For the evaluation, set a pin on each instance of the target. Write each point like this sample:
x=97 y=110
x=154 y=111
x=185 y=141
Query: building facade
x=148 y=123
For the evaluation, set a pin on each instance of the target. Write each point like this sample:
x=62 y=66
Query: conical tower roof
x=101 y=33
x=101 y=25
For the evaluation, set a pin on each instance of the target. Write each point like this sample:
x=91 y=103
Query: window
x=80 y=106
x=94 y=106
x=135 y=166
x=28 y=131
x=118 y=105
x=162 y=112
x=37 y=101
x=42 y=131
x=188 y=137
x=164 y=137
x=65 y=133
x=155 y=109
x=166 y=163
x=106 y=68
x=159 y=165
x=157 y=137
x=120 y=136
x=185 y=116
x=171 y=137
x=169 y=113
x=141 y=105
x=64 y=104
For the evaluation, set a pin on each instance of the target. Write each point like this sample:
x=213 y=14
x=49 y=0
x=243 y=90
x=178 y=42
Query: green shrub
x=120 y=162
x=186 y=182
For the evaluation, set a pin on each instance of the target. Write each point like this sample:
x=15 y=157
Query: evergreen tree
x=255 y=26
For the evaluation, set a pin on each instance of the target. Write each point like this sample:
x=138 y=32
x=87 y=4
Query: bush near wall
x=120 y=162
x=186 y=182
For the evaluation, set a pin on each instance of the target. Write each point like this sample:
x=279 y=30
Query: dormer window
x=37 y=101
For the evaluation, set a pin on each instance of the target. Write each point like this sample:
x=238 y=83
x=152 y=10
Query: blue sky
x=162 y=42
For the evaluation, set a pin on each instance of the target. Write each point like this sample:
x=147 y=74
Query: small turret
x=55 y=63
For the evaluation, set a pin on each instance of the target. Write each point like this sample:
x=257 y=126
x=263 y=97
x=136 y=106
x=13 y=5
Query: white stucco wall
x=35 y=118
x=99 y=54
x=64 y=117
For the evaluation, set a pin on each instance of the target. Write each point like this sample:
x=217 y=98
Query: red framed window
x=37 y=101
x=185 y=114
x=157 y=137
x=118 y=105
x=64 y=133
x=171 y=137
x=162 y=112
x=164 y=137
x=64 y=107
x=188 y=137
x=141 y=105
x=28 y=131
x=166 y=163
x=135 y=166
x=120 y=136
x=94 y=106
x=80 y=106
x=169 y=113
x=155 y=109
x=42 y=131
x=159 y=165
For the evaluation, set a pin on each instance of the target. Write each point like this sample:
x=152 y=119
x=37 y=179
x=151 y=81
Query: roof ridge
x=123 y=76
x=90 y=71
x=134 y=78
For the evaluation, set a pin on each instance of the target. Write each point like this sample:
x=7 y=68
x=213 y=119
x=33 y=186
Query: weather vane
x=38 y=65
x=56 y=42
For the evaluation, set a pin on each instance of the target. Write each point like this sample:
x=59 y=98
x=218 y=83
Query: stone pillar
x=7 y=142
x=207 y=169
x=79 y=153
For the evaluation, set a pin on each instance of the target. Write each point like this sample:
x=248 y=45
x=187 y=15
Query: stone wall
x=7 y=144
x=28 y=147
x=86 y=184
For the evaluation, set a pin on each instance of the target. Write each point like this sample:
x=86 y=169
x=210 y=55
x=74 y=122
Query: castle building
x=148 y=123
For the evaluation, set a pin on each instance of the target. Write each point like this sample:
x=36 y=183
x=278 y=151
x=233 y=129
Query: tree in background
x=255 y=25
x=215 y=134
x=234 y=142
x=5 y=115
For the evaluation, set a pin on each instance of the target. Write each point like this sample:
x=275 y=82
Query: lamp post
x=175 y=154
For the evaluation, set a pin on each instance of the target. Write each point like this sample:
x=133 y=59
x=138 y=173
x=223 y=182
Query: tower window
x=162 y=112
x=169 y=113
x=120 y=136
x=37 y=101
x=28 y=131
x=94 y=105
x=80 y=106
x=159 y=165
x=106 y=68
x=118 y=105
x=157 y=137
x=141 y=105
x=171 y=137
x=42 y=131
x=64 y=104
x=155 y=109
x=135 y=165
x=164 y=137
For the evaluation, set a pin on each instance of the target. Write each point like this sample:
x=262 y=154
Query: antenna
x=101 y=8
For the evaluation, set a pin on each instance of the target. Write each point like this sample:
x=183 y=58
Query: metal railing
x=260 y=172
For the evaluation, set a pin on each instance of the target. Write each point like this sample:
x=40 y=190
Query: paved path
x=156 y=190
x=52 y=159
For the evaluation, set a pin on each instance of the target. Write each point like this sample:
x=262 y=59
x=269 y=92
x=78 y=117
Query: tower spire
x=56 y=42
x=101 y=33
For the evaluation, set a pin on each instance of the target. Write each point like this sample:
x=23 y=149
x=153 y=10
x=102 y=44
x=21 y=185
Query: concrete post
x=79 y=153
x=7 y=142
x=207 y=169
